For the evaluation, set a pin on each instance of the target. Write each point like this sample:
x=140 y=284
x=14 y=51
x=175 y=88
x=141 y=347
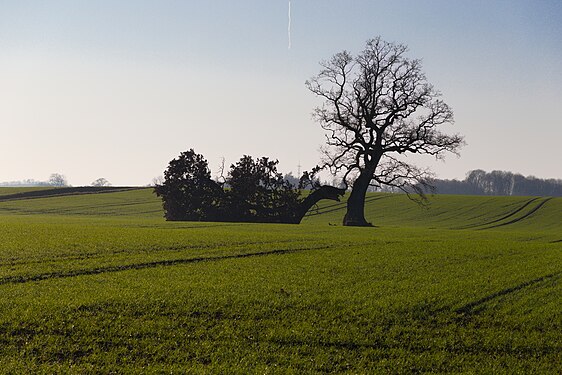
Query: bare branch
x=377 y=103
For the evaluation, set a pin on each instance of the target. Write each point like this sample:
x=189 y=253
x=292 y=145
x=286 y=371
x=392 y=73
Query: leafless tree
x=157 y=181
x=58 y=180
x=221 y=179
x=100 y=182
x=378 y=106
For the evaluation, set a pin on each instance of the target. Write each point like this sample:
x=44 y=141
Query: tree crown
x=376 y=104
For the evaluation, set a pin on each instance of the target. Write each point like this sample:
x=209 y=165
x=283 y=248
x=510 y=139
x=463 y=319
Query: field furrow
x=524 y=216
x=101 y=283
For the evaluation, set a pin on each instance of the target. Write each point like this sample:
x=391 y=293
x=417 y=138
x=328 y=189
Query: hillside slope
x=453 y=212
x=102 y=283
x=382 y=209
x=83 y=201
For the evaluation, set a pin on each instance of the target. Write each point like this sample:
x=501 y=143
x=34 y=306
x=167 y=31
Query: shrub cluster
x=253 y=191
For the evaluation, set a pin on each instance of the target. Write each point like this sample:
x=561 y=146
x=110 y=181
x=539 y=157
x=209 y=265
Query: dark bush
x=188 y=192
x=256 y=192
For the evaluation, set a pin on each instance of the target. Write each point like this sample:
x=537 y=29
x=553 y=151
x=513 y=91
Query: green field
x=100 y=283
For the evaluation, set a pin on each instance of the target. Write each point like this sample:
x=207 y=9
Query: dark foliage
x=255 y=192
x=258 y=192
x=188 y=192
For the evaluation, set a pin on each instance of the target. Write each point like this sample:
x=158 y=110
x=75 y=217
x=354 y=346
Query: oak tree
x=377 y=107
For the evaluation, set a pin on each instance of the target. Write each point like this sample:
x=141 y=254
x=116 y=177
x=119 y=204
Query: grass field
x=100 y=283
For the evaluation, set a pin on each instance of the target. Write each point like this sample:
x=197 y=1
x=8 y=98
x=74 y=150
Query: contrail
x=289 y=27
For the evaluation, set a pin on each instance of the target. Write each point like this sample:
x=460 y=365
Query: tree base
x=354 y=222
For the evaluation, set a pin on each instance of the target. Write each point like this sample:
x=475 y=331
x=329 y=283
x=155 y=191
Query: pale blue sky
x=116 y=89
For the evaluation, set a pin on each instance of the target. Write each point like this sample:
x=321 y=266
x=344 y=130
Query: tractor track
x=528 y=214
x=64 y=192
x=508 y=215
x=339 y=206
x=140 y=266
x=472 y=307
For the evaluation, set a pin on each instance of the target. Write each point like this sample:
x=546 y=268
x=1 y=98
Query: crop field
x=99 y=282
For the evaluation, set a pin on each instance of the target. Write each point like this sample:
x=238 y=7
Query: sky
x=118 y=88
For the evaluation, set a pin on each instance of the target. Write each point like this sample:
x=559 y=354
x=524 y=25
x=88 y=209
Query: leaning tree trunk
x=355 y=215
x=324 y=192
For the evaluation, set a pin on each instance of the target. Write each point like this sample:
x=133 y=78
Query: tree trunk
x=324 y=192
x=355 y=215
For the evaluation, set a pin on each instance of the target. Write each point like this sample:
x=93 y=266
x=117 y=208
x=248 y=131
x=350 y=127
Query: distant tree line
x=25 y=183
x=479 y=182
x=55 y=180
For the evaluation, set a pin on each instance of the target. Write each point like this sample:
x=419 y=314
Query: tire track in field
x=508 y=215
x=63 y=192
x=339 y=206
x=140 y=266
x=470 y=308
x=535 y=209
x=102 y=254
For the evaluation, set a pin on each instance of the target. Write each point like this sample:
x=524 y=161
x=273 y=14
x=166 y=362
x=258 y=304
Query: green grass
x=138 y=203
x=100 y=283
x=454 y=212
